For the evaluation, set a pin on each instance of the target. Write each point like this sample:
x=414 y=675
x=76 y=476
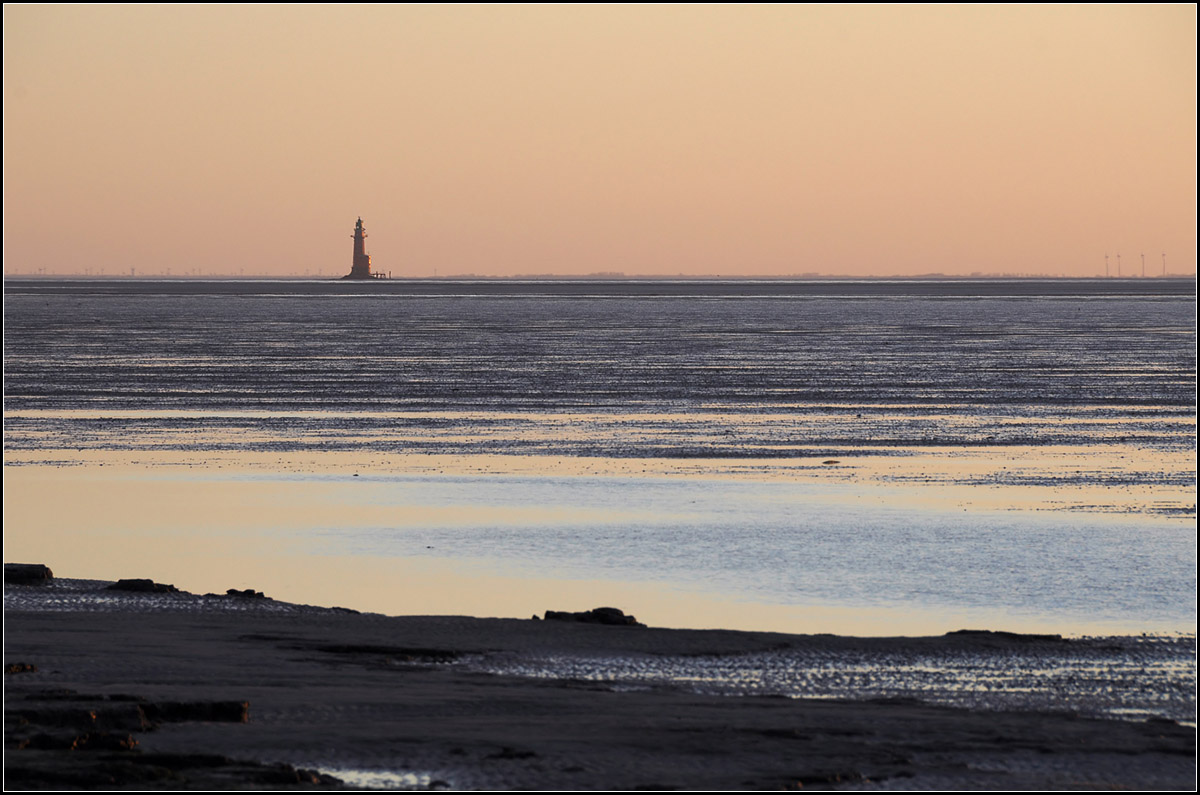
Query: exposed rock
x=53 y=769
x=27 y=574
x=599 y=615
x=88 y=741
x=115 y=717
x=823 y=779
x=989 y=633
x=55 y=717
x=249 y=593
x=46 y=731
x=179 y=711
x=105 y=741
x=142 y=586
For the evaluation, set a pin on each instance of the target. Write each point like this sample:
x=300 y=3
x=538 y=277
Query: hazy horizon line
x=606 y=277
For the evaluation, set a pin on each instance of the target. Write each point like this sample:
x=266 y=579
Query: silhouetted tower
x=361 y=269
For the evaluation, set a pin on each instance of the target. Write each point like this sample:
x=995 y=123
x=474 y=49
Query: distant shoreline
x=551 y=277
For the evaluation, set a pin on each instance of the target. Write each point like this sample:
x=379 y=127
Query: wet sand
x=405 y=700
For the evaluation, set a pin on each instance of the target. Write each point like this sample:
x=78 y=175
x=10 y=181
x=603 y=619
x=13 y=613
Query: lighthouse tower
x=361 y=269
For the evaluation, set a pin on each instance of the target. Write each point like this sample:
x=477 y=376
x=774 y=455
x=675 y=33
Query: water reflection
x=805 y=553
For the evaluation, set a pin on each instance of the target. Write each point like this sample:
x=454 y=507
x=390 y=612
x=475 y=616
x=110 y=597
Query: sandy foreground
x=152 y=689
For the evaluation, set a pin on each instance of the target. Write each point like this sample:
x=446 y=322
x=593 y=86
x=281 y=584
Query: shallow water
x=803 y=456
x=1121 y=677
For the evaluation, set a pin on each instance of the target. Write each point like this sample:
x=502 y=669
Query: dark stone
x=142 y=586
x=249 y=593
x=99 y=715
x=180 y=711
x=286 y=775
x=59 y=769
x=123 y=717
x=600 y=615
x=47 y=742
x=56 y=717
x=44 y=741
x=27 y=574
x=20 y=668
x=835 y=777
x=988 y=633
x=105 y=741
x=88 y=741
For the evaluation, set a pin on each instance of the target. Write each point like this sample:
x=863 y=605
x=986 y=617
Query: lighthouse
x=361 y=267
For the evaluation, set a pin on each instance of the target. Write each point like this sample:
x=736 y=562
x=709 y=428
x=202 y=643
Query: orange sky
x=502 y=140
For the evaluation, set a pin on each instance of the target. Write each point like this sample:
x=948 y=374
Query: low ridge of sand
x=408 y=702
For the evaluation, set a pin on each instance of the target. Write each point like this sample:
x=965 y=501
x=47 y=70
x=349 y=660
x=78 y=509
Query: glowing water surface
x=868 y=458
x=798 y=552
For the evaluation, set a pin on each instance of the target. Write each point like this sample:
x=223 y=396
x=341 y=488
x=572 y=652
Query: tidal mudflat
x=428 y=702
x=821 y=466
